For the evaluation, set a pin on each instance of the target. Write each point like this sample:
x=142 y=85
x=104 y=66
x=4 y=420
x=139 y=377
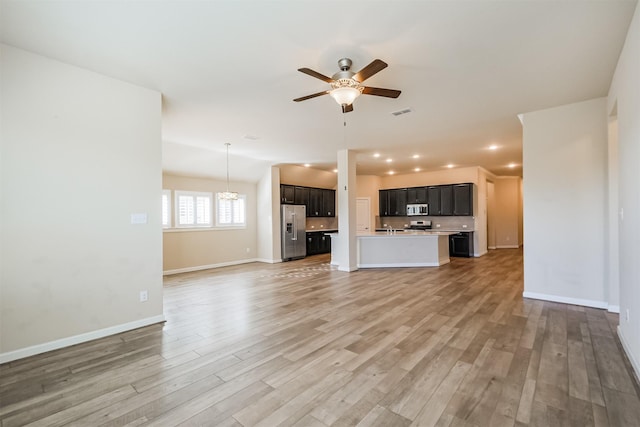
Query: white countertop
x=412 y=233
x=399 y=233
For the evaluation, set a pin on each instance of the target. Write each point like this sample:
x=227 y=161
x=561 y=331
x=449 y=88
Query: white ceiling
x=227 y=72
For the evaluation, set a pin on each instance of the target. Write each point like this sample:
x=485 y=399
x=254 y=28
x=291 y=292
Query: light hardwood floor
x=303 y=344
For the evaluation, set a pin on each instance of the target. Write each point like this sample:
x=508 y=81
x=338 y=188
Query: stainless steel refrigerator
x=294 y=244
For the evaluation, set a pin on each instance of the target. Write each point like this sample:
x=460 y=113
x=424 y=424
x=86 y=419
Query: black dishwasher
x=461 y=244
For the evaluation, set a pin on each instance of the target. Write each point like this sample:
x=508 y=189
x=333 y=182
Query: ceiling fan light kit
x=346 y=85
x=345 y=95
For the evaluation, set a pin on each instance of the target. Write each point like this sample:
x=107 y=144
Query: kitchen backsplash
x=454 y=223
x=329 y=223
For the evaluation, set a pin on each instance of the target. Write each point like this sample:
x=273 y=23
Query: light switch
x=138 y=218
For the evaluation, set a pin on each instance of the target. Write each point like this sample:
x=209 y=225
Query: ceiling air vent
x=401 y=112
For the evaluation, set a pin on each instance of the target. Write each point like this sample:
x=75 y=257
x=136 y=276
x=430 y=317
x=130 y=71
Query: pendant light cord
x=227 y=144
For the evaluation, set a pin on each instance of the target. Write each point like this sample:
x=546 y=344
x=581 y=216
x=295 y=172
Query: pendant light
x=228 y=195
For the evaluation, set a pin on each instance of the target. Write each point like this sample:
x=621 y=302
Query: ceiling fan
x=346 y=85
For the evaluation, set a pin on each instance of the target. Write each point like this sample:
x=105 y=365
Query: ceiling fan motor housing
x=344 y=73
x=344 y=64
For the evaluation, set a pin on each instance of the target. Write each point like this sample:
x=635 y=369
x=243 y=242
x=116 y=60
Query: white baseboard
x=566 y=300
x=404 y=264
x=614 y=309
x=268 y=261
x=491 y=247
x=78 y=339
x=507 y=246
x=479 y=254
x=207 y=267
x=627 y=349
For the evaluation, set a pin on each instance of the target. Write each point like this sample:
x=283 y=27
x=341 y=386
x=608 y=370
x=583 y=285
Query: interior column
x=348 y=253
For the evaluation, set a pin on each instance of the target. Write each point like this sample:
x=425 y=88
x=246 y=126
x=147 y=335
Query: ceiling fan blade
x=389 y=93
x=371 y=69
x=304 y=98
x=347 y=108
x=315 y=74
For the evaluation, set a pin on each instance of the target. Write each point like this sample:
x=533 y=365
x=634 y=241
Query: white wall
x=446 y=176
x=80 y=153
x=565 y=171
x=268 y=216
x=307 y=177
x=197 y=249
x=624 y=94
x=612 y=267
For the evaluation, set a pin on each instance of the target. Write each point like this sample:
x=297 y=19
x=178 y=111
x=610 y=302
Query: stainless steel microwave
x=414 y=209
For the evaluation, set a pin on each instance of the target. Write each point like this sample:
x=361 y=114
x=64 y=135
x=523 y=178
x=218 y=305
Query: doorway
x=491 y=227
x=363 y=215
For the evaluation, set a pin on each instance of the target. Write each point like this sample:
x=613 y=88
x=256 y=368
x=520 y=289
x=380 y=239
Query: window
x=231 y=212
x=193 y=209
x=166 y=208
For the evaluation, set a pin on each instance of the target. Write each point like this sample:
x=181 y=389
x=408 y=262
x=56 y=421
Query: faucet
x=389 y=229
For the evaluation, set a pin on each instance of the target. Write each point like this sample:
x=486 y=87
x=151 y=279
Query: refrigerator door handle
x=295 y=226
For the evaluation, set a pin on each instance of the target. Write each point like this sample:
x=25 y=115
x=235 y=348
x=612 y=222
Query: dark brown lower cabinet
x=318 y=243
x=461 y=244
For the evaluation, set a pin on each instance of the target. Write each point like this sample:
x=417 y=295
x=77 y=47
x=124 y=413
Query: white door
x=363 y=215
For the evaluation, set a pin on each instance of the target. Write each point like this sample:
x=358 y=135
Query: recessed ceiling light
x=335 y=171
x=512 y=165
x=376 y=155
x=416 y=156
x=417 y=169
x=450 y=165
x=389 y=160
x=493 y=147
x=391 y=172
x=306 y=165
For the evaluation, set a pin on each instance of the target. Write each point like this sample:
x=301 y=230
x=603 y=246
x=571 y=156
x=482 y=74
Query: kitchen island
x=400 y=249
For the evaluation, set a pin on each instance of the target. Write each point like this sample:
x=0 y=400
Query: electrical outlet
x=627 y=314
x=144 y=296
x=248 y=250
x=437 y=225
